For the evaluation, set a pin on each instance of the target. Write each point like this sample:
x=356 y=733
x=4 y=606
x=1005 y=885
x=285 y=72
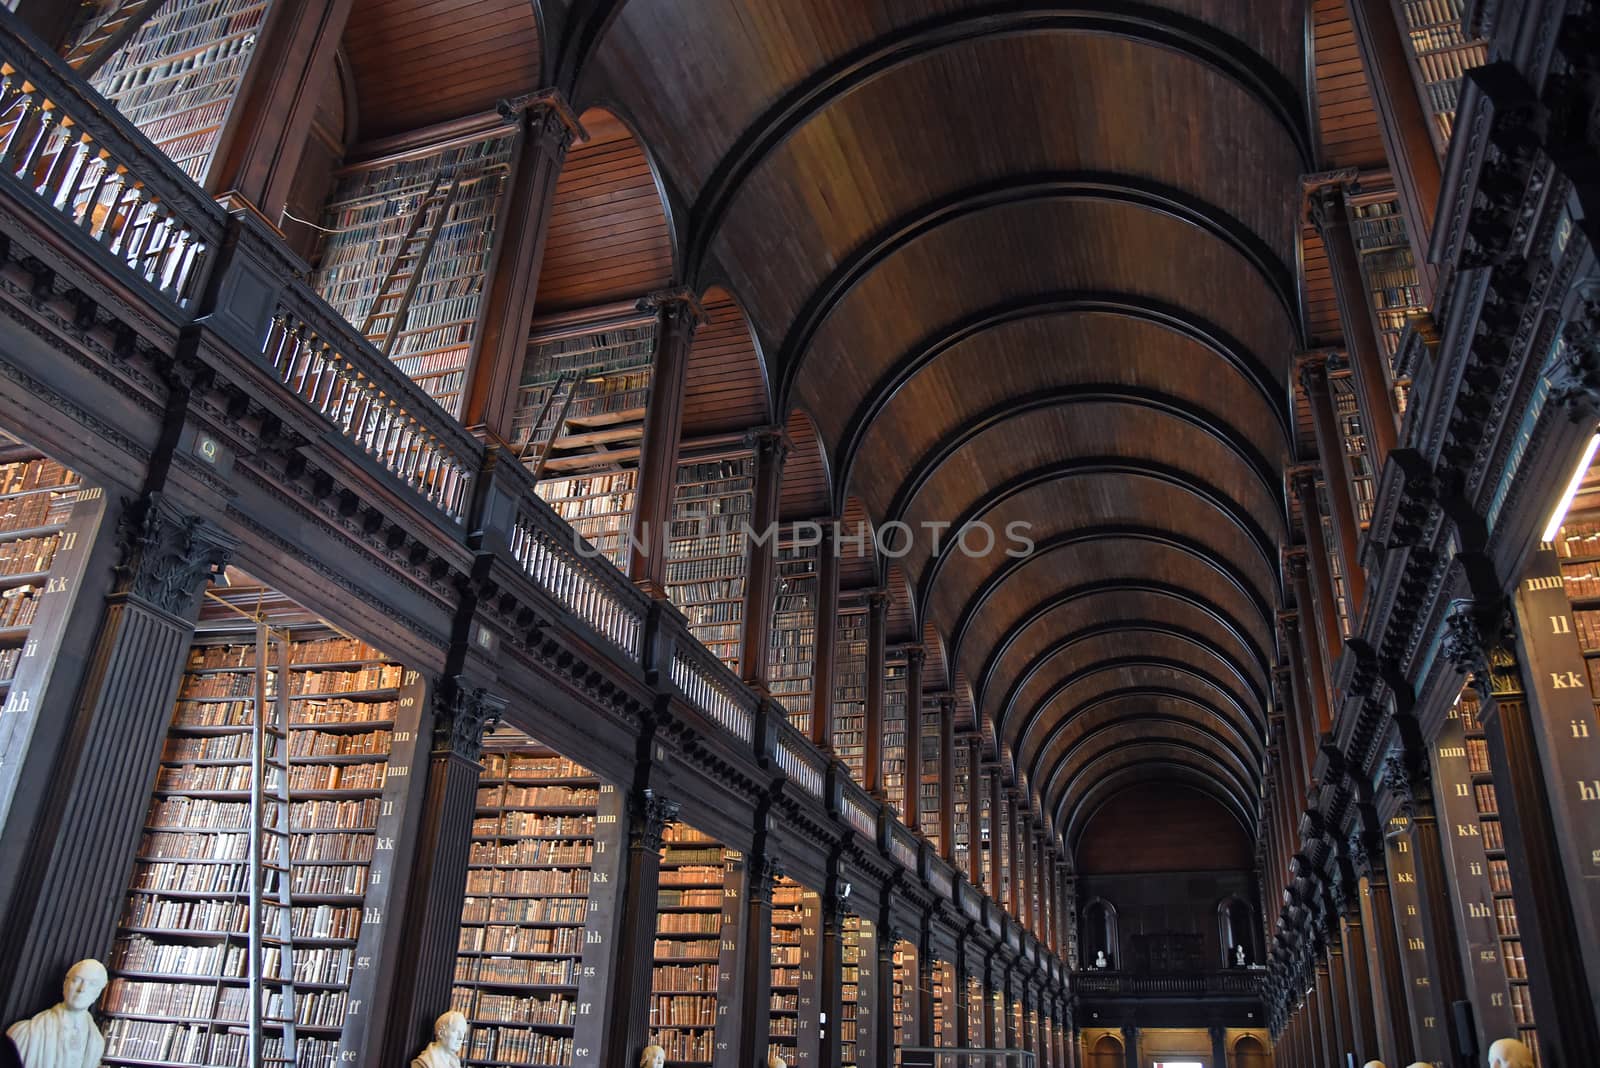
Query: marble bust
x=1373 y=1064
x=1100 y=959
x=1510 y=1053
x=1240 y=958
x=64 y=1035
x=652 y=1057
x=775 y=1061
x=449 y=1038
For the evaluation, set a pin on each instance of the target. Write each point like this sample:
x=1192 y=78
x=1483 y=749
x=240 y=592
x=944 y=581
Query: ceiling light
x=1560 y=513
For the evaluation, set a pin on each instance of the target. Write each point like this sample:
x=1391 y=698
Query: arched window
x=1235 y=929
x=1248 y=1052
x=1100 y=935
x=1107 y=1053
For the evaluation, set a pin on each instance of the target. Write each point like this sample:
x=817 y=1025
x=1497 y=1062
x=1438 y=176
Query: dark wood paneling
x=608 y=237
x=1160 y=828
x=1347 y=124
x=724 y=391
x=805 y=482
x=418 y=62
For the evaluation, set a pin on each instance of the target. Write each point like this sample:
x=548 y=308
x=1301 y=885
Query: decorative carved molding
x=166 y=554
x=680 y=307
x=1463 y=644
x=464 y=716
x=1574 y=370
x=651 y=815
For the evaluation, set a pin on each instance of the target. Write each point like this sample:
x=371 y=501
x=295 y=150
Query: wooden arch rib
x=1107 y=727
x=1058 y=797
x=725 y=386
x=1132 y=21
x=1247 y=718
x=1200 y=553
x=1182 y=480
x=1138 y=773
x=609 y=237
x=1182 y=594
x=804 y=493
x=1181 y=322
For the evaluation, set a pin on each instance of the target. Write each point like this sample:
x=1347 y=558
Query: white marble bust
x=1100 y=959
x=1510 y=1053
x=449 y=1038
x=1373 y=1064
x=652 y=1057
x=64 y=1035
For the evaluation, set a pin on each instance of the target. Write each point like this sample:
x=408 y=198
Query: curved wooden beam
x=1125 y=19
x=1082 y=466
x=1242 y=792
x=1170 y=317
x=1232 y=575
x=1182 y=594
x=1103 y=789
x=1245 y=721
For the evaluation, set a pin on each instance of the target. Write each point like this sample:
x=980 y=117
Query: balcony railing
x=111 y=200
x=65 y=148
x=1238 y=983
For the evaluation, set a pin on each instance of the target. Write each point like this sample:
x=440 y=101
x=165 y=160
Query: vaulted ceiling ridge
x=1079 y=466
x=1112 y=736
x=1020 y=738
x=1201 y=553
x=1245 y=742
x=1167 y=753
x=1181 y=594
x=1144 y=23
x=1108 y=785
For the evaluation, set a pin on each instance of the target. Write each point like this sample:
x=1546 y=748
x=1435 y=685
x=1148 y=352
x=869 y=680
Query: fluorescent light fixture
x=1560 y=513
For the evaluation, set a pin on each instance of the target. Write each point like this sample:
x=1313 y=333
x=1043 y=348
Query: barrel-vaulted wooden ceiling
x=1017 y=262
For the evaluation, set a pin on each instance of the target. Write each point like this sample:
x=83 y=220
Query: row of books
x=532 y=825
x=515 y=971
x=507 y=796
x=20 y=476
x=168 y=1043
x=487 y=1007
x=26 y=556
x=41 y=509
x=208 y=778
x=303 y=713
x=532 y=852
x=326 y=922
x=510 y=1045
x=19 y=605
x=514 y=939
x=525 y=910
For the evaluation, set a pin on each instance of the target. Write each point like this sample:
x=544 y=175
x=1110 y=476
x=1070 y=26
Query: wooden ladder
x=388 y=312
x=108 y=32
x=538 y=446
x=272 y=874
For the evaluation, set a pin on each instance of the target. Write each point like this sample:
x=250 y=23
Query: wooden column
x=974 y=809
x=71 y=886
x=872 y=749
x=997 y=863
x=991 y=1023
x=831 y=964
x=1383 y=949
x=827 y=637
x=1014 y=854
x=500 y=344
x=771 y=449
x=1130 y=1046
x=755 y=945
x=678 y=315
x=633 y=963
x=1358 y=974
x=883 y=1038
x=1022 y=875
x=916 y=656
x=1368 y=363
x=1331 y=1045
x=423 y=960
x=1336 y=477
x=924 y=987
x=1322 y=637
x=291 y=69
x=1552 y=933
x=1306 y=717
x=1403 y=123
x=1219 y=1046
x=947 y=778
x=963 y=999
x=1339 y=994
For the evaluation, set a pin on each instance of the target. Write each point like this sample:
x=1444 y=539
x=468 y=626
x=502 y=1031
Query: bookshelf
x=976 y=1036
x=707 y=549
x=579 y=422
x=1394 y=287
x=963 y=817
x=858 y=1017
x=1441 y=52
x=176 y=78
x=182 y=973
x=1353 y=436
x=986 y=836
x=793 y=1031
x=850 y=688
x=895 y=730
x=904 y=993
x=541 y=879
x=694 y=981
x=791 y=665
x=929 y=788
x=408 y=247
x=48 y=519
x=944 y=1003
x=1478 y=858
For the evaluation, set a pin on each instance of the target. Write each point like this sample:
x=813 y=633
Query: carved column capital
x=1406 y=778
x=464 y=716
x=877 y=600
x=1464 y=645
x=1574 y=367
x=548 y=118
x=765 y=871
x=165 y=554
x=677 y=306
x=771 y=445
x=916 y=655
x=651 y=815
x=1303 y=481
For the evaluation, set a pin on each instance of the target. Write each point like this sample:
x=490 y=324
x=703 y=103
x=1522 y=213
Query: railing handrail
x=538 y=511
x=101 y=118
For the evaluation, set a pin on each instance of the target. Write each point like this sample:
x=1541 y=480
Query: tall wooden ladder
x=387 y=315
x=548 y=424
x=272 y=999
x=99 y=40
